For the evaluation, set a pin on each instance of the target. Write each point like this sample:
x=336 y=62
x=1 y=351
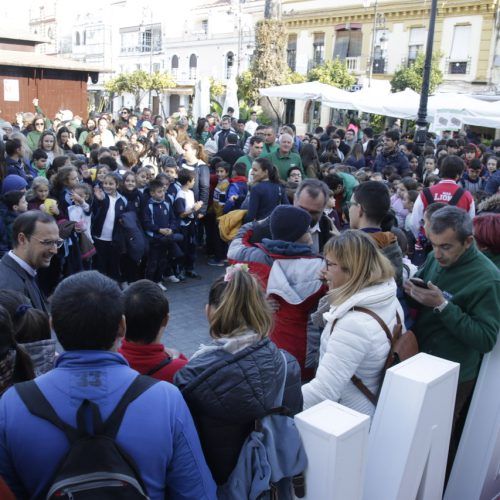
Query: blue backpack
x=272 y=460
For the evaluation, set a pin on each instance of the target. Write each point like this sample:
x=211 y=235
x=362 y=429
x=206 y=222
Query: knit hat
x=13 y=183
x=289 y=223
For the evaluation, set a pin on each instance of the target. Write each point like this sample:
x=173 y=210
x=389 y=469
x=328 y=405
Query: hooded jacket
x=226 y=392
x=290 y=273
x=357 y=345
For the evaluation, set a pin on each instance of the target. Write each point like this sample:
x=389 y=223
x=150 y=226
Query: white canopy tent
x=317 y=91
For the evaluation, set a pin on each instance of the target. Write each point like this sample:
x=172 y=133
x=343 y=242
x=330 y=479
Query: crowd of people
x=329 y=240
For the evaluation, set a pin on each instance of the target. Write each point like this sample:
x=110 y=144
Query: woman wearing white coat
x=358 y=274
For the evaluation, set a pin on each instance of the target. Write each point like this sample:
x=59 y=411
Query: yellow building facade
x=386 y=35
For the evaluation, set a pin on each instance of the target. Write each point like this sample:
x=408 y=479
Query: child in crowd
x=472 y=180
x=187 y=210
x=219 y=200
x=161 y=226
x=174 y=187
x=142 y=178
x=15 y=203
x=430 y=167
x=101 y=172
x=108 y=206
x=146 y=312
x=238 y=188
x=491 y=166
x=330 y=211
x=39 y=197
x=39 y=162
x=408 y=202
x=397 y=200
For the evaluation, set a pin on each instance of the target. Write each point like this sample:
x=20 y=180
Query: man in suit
x=35 y=240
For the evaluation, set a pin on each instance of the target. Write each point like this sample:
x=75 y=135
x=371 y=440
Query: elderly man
x=35 y=240
x=284 y=158
x=89 y=383
x=458 y=301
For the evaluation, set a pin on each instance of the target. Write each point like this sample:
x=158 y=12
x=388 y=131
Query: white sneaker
x=172 y=278
x=162 y=286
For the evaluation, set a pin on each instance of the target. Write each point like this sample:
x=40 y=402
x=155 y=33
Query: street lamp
x=378 y=20
x=421 y=123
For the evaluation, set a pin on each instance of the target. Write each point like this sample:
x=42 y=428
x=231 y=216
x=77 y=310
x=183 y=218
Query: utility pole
x=421 y=123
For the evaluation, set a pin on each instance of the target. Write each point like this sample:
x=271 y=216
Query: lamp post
x=421 y=123
x=378 y=22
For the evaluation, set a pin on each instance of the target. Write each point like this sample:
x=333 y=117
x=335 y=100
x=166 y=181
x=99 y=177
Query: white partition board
x=335 y=439
x=476 y=470
x=409 y=438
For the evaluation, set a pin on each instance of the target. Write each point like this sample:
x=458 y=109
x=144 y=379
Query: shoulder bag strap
x=38 y=405
x=356 y=380
x=140 y=385
x=377 y=318
x=159 y=366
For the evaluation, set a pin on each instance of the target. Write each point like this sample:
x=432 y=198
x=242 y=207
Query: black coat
x=14 y=277
x=226 y=392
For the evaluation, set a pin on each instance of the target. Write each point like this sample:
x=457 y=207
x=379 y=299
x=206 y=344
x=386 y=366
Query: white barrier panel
x=410 y=433
x=476 y=470
x=335 y=439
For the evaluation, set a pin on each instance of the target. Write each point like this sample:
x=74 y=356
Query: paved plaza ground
x=188 y=326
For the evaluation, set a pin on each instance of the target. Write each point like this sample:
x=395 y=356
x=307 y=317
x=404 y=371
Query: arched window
x=229 y=65
x=193 y=63
x=175 y=66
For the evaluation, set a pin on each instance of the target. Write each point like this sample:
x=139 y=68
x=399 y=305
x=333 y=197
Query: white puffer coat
x=357 y=345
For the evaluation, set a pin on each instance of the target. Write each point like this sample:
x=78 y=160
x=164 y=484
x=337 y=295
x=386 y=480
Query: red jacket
x=144 y=357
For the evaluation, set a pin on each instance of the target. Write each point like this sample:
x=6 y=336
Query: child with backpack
x=238 y=188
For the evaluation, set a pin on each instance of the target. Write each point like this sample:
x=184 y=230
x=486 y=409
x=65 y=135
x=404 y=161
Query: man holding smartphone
x=458 y=302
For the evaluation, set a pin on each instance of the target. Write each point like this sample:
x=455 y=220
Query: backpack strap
x=159 y=366
x=137 y=387
x=38 y=405
x=456 y=197
x=428 y=195
x=378 y=319
x=279 y=398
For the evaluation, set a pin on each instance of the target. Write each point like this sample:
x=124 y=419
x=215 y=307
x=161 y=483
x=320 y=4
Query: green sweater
x=468 y=326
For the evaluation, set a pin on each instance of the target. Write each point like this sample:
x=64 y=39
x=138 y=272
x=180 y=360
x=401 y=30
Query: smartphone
x=419 y=282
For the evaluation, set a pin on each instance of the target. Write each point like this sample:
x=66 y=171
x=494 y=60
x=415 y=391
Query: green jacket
x=247 y=161
x=284 y=163
x=468 y=326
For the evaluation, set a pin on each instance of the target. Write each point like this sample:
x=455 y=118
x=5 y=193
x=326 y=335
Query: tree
x=333 y=72
x=411 y=76
x=269 y=66
x=138 y=83
x=217 y=90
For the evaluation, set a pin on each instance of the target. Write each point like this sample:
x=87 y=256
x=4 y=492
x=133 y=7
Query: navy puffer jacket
x=226 y=392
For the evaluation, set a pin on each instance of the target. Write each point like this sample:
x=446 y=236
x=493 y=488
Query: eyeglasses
x=39 y=124
x=352 y=204
x=50 y=243
x=327 y=263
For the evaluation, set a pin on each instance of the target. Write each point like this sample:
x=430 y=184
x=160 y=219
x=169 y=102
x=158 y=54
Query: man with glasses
x=35 y=240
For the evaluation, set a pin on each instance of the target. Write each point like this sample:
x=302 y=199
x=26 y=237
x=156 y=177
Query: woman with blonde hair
x=237 y=377
x=353 y=341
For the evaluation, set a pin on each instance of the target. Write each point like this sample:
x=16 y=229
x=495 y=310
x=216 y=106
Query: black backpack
x=95 y=465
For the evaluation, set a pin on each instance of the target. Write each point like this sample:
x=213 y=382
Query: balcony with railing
x=379 y=66
x=455 y=67
x=353 y=64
